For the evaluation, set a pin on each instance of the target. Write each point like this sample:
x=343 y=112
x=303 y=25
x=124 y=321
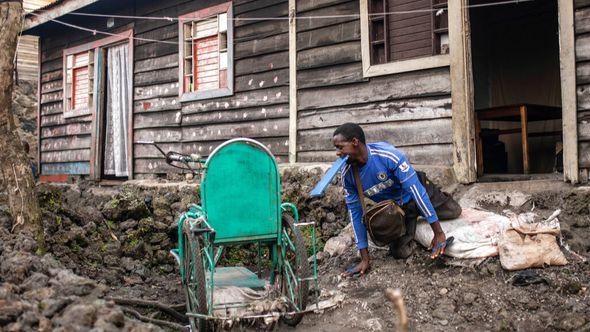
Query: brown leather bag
x=385 y=222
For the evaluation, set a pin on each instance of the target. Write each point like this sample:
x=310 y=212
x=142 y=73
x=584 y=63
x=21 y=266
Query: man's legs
x=445 y=206
x=401 y=248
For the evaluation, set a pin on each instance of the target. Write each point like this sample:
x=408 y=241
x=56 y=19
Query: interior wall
x=515 y=56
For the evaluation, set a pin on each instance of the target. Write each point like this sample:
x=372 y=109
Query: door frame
x=462 y=92
x=96 y=148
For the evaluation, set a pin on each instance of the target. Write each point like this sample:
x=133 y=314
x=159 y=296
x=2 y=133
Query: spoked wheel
x=194 y=280
x=296 y=257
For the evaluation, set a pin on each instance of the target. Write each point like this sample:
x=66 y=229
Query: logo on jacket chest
x=382 y=176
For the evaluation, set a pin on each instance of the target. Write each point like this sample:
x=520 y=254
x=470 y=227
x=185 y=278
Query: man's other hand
x=438 y=244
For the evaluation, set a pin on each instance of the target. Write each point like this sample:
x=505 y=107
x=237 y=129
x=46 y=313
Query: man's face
x=346 y=148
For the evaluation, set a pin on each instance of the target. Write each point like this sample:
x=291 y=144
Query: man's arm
x=411 y=184
x=355 y=209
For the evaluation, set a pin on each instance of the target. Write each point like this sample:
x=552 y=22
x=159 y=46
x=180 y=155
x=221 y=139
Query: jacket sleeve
x=355 y=210
x=411 y=185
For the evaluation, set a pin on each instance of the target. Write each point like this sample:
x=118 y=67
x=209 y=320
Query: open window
x=401 y=35
x=206 y=53
x=79 y=83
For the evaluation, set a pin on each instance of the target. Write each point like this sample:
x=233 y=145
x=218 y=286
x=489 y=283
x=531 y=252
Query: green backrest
x=240 y=192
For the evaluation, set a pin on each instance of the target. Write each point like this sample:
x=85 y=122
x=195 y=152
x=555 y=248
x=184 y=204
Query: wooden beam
x=567 y=59
x=464 y=154
x=56 y=11
x=292 y=81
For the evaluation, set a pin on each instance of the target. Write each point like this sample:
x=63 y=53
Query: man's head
x=349 y=140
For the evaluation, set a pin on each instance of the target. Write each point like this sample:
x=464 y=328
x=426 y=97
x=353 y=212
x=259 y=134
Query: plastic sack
x=476 y=233
x=527 y=243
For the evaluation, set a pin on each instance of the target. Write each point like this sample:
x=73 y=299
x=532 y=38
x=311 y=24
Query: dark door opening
x=517 y=92
x=114 y=114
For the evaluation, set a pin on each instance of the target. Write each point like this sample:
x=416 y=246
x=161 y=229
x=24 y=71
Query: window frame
x=400 y=66
x=208 y=12
x=94 y=46
x=68 y=110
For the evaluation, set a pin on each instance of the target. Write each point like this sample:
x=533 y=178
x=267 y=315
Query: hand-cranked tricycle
x=241 y=204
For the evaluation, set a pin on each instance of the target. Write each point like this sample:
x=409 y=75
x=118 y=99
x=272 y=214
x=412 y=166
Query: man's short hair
x=351 y=130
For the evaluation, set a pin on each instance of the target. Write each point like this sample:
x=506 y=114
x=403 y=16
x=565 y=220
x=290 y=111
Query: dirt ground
x=109 y=243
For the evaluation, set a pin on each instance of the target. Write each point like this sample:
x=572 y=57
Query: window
x=79 y=87
x=79 y=70
x=402 y=35
x=206 y=53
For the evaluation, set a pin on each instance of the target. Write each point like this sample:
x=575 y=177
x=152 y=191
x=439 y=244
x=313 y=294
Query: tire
x=301 y=269
x=194 y=278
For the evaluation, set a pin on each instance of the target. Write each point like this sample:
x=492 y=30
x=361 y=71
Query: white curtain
x=118 y=96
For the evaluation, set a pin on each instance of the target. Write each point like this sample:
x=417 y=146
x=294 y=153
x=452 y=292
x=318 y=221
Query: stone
x=78 y=315
x=68 y=283
x=36 y=280
x=9 y=311
x=469 y=298
x=53 y=307
x=443 y=291
x=572 y=321
x=337 y=245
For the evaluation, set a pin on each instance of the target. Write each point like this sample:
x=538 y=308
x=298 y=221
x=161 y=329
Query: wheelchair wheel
x=296 y=256
x=194 y=280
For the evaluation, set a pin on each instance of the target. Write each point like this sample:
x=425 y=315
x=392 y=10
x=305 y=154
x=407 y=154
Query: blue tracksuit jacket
x=387 y=175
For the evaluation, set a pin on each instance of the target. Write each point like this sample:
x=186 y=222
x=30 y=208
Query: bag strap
x=359 y=187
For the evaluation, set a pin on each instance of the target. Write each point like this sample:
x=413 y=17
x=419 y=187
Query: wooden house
x=449 y=83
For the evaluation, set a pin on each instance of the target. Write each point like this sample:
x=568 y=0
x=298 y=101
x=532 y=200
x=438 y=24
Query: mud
x=114 y=242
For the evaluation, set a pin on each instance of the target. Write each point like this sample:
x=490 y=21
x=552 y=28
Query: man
x=385 y=173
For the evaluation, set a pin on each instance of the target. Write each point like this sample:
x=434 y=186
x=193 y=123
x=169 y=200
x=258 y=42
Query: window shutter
x=411 y=34
x=80 y=94
x=207 y=63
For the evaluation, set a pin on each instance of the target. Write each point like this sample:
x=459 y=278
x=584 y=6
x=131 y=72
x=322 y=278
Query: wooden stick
x=152 y=304
x=395 y=297
x=160 y=322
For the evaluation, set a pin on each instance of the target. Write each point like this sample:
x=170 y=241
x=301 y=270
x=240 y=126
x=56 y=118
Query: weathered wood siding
x=65 y=142
x=258 y=109
x=582 y=29
x=410 y=110
x=27 y=58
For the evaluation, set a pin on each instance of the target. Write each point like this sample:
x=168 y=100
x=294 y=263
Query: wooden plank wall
x=258 y=109
x=27 y=58
x=582 y=30
x=65 y=143
x=410 y=110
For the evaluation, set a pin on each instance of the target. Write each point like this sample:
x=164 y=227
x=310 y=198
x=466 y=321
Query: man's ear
x=355 y=141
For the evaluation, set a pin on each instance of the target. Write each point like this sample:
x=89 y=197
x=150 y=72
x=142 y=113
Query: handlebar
x=172 y=157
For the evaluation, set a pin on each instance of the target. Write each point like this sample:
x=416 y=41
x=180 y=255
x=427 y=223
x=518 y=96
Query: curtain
x=117 y=111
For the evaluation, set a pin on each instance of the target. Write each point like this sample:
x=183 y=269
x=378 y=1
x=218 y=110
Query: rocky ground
x=108 y=244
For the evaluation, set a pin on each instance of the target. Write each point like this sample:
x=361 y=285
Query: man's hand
x=438 y=243
x=361 y=268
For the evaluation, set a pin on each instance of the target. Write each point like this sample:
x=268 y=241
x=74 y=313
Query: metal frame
x=211 y=252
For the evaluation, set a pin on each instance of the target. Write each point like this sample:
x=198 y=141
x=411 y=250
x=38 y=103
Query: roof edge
x=52 y=11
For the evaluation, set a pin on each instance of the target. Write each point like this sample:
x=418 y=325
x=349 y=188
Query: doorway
x=113 y=153
x=517 y=93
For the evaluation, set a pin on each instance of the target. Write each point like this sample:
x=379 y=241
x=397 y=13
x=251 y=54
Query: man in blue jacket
x=385 y=173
